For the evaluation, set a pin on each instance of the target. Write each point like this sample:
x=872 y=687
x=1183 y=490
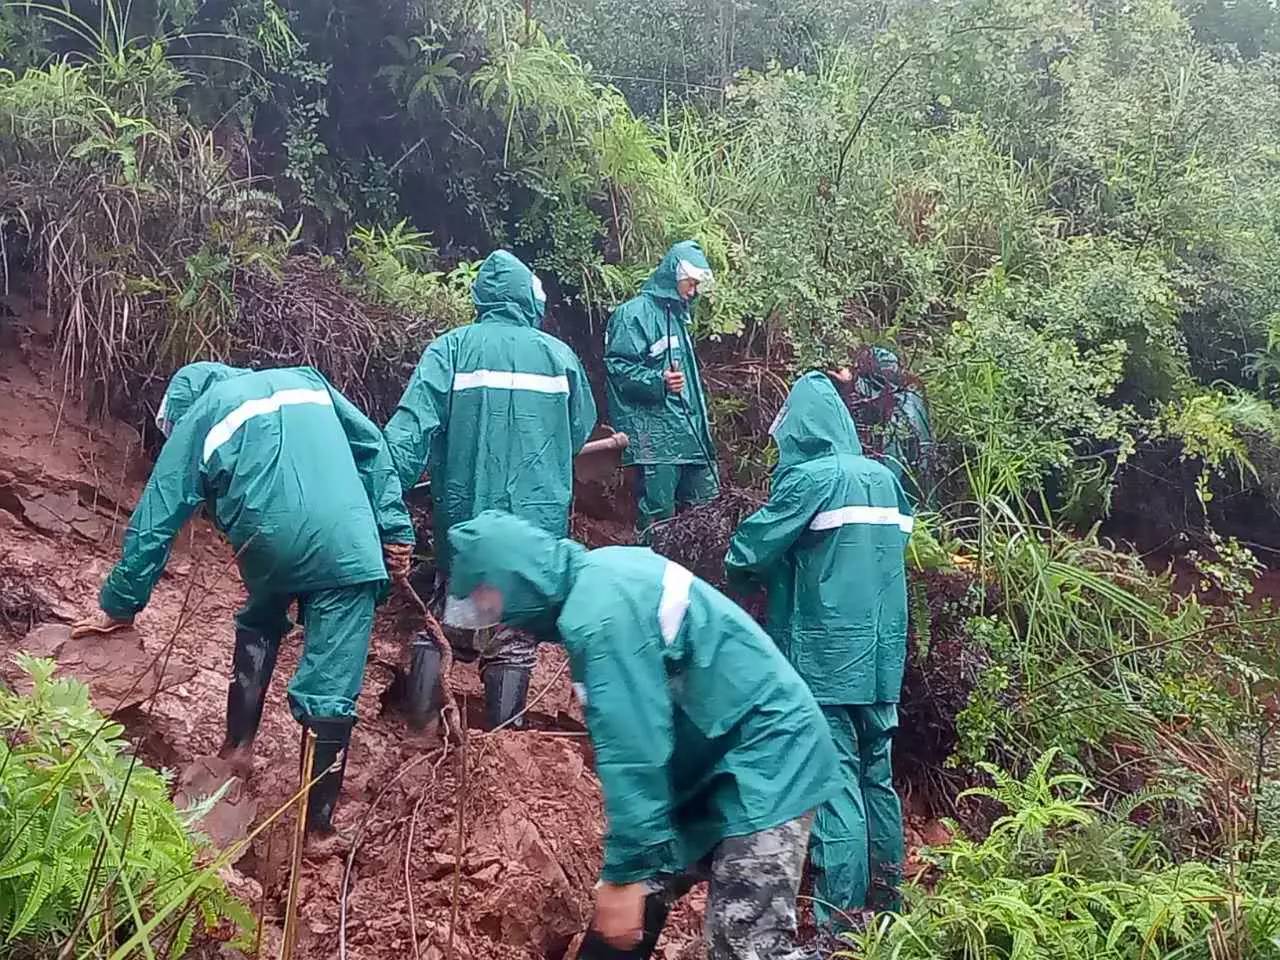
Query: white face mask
x=465 y=614
x=163 y=422
x=705 y=278
x=777 y=421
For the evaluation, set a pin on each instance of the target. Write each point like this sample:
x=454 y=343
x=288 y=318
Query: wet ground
x=503 y=860
x=492 y=863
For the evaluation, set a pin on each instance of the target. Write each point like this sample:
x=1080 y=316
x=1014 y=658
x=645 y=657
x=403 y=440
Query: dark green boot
x=506 y=688
x=333 y=736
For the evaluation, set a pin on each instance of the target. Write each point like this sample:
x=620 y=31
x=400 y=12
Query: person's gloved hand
x=619 y=916
x=398 y=558
x=99 y=623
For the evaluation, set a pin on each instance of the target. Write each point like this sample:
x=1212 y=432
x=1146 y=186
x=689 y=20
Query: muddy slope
x=516 y=869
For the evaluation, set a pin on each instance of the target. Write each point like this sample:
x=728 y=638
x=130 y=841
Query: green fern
x=66 y=769
x=1089 y=887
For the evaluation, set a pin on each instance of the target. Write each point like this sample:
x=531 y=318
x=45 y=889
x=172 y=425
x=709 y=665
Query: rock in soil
x=232 y=816
x=118 y=670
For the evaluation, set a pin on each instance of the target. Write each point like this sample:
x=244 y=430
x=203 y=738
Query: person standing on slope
x=495 y=412
x=655 y=390
x=710 y=750
x=301 y=483
x=829 y=545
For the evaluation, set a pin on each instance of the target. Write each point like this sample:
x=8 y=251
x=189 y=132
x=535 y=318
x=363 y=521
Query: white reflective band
x=164 y=402
x=687 y=271
x=660 y=345
x=225 y=428
x=875 y=516
x=538 y=293
x=580 y=690
x=676 y=581
x=505 y=380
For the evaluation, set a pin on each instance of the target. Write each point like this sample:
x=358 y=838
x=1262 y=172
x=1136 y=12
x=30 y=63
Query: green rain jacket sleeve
x=421 y=415
x=625 y=359
x=172 y=494
x=582 y=407
x=377 y=471
x=633 y=745
x=763 y=538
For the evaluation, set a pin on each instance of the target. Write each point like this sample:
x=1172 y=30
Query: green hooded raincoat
x=298 y=480
x=830 y=546
x=645 y=335
x=701 y=729
x=495 y=411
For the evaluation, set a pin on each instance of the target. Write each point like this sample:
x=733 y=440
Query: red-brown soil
x=531 y=812
x=500 y=863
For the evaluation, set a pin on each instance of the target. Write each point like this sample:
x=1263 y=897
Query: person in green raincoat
x=905 y=427
x=711 y=751
x=829 y=545
x=302 y=485
x=495 y=412
x=655 y=389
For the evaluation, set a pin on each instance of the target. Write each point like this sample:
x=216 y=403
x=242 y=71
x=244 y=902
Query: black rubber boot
x=422 y=688
x=252 y=664
x=594 y=947
x=505 y=690
x=333 y=736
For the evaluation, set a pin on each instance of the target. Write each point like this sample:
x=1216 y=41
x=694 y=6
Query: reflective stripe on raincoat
x=495 y=411
x=701 y=729
x=830 y=545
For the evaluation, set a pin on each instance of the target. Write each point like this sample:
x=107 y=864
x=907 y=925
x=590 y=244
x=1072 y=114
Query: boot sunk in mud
x=328 y=768
x=251 y=667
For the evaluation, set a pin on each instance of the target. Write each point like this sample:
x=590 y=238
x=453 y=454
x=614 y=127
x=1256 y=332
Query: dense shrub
x=90 y=843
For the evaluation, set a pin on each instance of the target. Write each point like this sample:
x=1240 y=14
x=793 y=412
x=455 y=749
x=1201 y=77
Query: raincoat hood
x=188 y=384
x=662 y=282
x=814 y=422
x=533 y=570
x=506 y=291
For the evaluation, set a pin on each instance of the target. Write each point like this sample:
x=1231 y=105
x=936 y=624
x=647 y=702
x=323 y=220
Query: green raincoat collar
x=188 y=384
x=506 y=291
x=814 y=422
x=662 y=282
x=533 y=570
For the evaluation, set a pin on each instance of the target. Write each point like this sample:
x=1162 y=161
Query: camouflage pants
x=508 y=647
x=751 y=899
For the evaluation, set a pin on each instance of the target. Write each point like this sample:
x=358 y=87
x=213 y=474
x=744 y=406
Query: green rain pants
x=664 y=486
x=857 y=845
x=336 y=625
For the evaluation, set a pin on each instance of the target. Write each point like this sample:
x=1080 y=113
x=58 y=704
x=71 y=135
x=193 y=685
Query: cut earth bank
x=516 y=842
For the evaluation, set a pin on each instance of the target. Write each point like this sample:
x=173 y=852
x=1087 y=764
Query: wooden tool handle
x=616 y=442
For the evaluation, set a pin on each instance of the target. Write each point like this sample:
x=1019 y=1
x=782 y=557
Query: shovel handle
x=616 y=442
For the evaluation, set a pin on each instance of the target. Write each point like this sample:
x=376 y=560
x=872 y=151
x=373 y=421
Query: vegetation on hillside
x=1064 y=217
x=92 y=850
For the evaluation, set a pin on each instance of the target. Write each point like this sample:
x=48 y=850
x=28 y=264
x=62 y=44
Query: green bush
x=393 y=270
x=1058 y=878
x=90 y=843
